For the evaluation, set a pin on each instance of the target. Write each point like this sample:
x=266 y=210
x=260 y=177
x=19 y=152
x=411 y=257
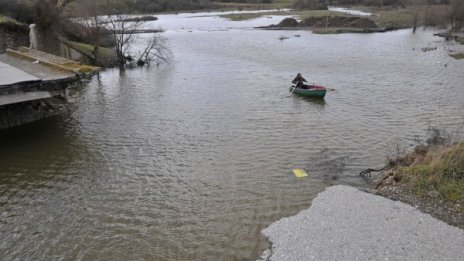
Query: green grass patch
x=11 y=23
x=440 y=170
x=242 y=17
x=278 y=4
x=88 y=49
x=6 y=19
x=457 y=55
x=302 y=14
x=298 y=14
x=106 y=56
x=395 y=18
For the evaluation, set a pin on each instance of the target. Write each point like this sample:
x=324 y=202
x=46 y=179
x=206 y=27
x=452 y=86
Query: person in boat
x=299 y=81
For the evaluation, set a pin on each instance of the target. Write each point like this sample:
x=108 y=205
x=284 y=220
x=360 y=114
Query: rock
x=427 y=49
x=433 y=194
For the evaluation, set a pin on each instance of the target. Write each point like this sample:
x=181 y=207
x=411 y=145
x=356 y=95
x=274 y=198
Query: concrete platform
x=344 y=223
x=12 y=75
x=38 y=70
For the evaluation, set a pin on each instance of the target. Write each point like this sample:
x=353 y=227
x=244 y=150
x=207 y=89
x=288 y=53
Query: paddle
x=294 y=87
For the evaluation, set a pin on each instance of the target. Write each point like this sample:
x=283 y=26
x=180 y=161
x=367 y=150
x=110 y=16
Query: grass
x=440 y=169
x=299 y=14
x=106 y=56
x=12 y=23
x=6 y=19
x=243 y=17
x=395 y=18
x=457 y=55
x=88 y=49
x=317 y=13
x=80 y=67
x=276 y=4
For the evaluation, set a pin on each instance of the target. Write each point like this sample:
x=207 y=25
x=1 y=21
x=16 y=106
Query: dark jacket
x=299 y=80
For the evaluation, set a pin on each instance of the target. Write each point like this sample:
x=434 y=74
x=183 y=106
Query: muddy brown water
x=191 y=160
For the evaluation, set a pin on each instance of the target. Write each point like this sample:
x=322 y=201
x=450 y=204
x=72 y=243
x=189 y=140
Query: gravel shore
x=344 y=223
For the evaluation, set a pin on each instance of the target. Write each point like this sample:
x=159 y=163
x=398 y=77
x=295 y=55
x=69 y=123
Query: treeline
x=386 y=2
x=154 y=6
x=322 y=4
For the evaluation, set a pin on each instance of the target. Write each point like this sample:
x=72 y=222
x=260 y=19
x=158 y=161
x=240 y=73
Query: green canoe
x=311 y=91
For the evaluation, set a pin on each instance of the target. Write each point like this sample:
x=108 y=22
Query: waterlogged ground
x=191 y=160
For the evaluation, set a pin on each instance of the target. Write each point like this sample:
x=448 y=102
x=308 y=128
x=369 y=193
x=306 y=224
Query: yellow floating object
x=299 y=173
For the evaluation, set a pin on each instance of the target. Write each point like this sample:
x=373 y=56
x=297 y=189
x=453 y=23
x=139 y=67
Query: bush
x=47 y=15
x=19 y=10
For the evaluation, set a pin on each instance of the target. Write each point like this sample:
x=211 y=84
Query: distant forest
x=181 y=5
x=22 y=9
x=173 y=5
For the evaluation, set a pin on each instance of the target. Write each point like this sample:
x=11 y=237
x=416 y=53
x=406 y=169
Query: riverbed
x=191 y=160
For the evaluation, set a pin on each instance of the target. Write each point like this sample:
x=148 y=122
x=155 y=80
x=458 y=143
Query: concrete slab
x=344 y=223
x=38 y=70
x=12 y=75
x=22 y=97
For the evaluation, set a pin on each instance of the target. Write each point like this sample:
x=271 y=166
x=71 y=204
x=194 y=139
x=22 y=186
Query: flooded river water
x=191 y=160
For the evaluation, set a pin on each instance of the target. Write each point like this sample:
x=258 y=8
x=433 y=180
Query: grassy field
x=384 y=17
x=299 y=14
x=282 y=4
x=395 y=18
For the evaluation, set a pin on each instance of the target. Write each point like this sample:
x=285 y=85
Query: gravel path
x=345 y=223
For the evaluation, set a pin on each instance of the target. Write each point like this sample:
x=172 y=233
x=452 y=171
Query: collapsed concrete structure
x=36 y=85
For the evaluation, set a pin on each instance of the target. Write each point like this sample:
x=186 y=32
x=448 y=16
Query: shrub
x=47 y=15
x=19 y=10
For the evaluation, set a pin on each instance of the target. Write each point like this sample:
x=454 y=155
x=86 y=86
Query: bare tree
x=123 y=30
x=155 y=51
x=456 y=15
x=418 y=8
x=91 y=22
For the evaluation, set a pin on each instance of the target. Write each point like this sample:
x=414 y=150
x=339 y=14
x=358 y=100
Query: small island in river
x=330 y=24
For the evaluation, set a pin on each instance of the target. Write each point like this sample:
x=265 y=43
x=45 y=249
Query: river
x=191 y=160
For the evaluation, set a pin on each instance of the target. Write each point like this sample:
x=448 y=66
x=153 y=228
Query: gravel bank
x=345 y=223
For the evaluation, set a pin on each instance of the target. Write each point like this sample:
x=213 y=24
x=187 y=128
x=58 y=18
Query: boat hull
x=313 y=91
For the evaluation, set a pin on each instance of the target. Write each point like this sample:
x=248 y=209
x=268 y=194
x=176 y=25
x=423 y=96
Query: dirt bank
x=329 y=24
x=431 y=179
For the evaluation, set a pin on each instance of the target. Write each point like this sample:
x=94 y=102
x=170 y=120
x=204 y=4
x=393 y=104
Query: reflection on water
x=191 y=160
